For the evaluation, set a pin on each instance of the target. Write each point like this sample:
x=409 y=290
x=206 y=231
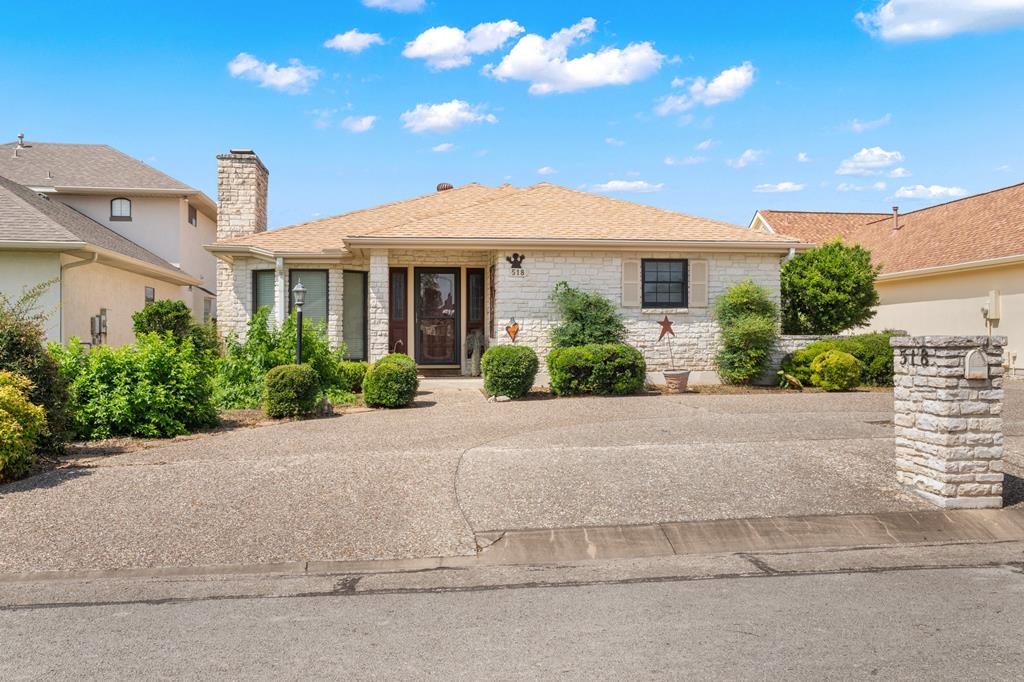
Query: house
x=109 y=231
x=427 y=275
x=955 y=268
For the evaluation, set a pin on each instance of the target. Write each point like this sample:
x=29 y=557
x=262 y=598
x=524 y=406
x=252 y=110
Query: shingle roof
x=80 y=165
x=28 y=217
x=817 y=226
x=542 y=211
x=975 y=228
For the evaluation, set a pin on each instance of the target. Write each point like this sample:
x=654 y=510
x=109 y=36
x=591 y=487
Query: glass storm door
x=437 y=316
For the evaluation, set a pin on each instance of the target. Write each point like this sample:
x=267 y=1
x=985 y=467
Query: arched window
x=121 y=209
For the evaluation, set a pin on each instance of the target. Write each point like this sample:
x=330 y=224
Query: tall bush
x=158 y=387
x=21 y=424
x=828 y=289
x=584 y=317
x=748 y=318
x=23 y=351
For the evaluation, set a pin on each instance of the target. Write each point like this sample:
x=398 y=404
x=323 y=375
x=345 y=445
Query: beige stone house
x=954 y=268
x=111 y=233
x=427 y=275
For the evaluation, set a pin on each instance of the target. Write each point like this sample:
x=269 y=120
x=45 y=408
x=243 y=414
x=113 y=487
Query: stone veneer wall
x=696 y=340
x=377 y=305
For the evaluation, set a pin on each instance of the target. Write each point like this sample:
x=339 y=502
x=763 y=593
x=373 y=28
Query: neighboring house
x=116 y=208
x=425 y=275
x=940 y=265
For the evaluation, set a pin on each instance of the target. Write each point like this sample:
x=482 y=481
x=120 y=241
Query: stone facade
x=948 y=399
x=377 y=305
x=242 y=181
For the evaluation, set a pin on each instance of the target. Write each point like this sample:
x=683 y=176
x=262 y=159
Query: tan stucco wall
x=22 y=270
x=951 y=304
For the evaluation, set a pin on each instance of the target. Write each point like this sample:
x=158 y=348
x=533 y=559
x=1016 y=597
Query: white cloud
x=446 y=47
x=850 y=187
x=868 y=162
x=641 y=186
x=685 y=161
x=295 y=79
x=900 y=172
x=678 y=82
x=444 y=117
x=544 y=62
x=358 y=124
x=1005 y=167
x=917 y=19
x=725 y=87
x=858 y=126
x=803 y=158
x=780 y=187
x=615 y=142
x=396 y=5
x=746 y=158
x=705 y=145
x=546 y=170
x=443 y=147
x=322 y=118
x=353 y=41
x=929 y=192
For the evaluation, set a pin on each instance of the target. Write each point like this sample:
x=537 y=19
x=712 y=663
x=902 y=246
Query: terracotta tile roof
x=542 y=211
x=979 y=227
x=80 y=165
x=817 y=226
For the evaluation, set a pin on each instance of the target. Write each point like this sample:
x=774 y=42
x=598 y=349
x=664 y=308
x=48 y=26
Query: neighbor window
x=150 y=295
x=121 y=209
x=315 y=282
x=207 y=309
x=193 y=216
x=664 y=283
x=263 y=290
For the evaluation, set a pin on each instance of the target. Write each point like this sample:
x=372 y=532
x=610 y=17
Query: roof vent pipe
x=895 y=218
x=21 y=140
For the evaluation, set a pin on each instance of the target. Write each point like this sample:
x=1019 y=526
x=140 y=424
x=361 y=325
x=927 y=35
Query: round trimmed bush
x=835 y=370
x=351 y=375
x=291 y=391
x=391 y=382
x=509 y=370
x=600 y=368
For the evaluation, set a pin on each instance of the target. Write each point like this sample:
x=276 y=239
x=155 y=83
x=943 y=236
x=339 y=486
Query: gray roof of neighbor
x=26 y=216
x=80 y=165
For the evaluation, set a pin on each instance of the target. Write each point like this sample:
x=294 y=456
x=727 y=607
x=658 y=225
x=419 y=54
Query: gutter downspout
x=789 y=256
x=60 y=288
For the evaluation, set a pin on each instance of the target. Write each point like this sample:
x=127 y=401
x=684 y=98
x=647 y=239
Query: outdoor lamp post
x=300 y=297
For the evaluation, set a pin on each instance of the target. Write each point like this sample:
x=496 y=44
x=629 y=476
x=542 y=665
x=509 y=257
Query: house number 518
x=911 y=357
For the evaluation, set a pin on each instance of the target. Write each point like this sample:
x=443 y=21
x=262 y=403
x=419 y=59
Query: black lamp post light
x=299 y=292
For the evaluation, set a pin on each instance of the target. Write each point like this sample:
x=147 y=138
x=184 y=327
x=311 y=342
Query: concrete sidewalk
x=435 y=479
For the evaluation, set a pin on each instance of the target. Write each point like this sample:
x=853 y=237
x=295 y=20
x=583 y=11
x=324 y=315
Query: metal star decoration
x=666 y=328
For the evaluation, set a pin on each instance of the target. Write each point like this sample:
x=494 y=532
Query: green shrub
x=351 y=375
x=291 y=391
x=835 y=370
x=585 y=317
x=509 y=370
x=23 y=351
x=873 y=351
x=204 y=337
x=602 y=369
x=158 y=387
x=828 y=289
x=748 y=318
x=339 y=396
x=391 y=382
x=163 y=316
x=240 y=375
x=21 y=424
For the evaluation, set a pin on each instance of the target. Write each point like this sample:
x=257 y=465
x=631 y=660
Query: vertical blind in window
x=263 y=290
x=315 y=282
x=354 y=315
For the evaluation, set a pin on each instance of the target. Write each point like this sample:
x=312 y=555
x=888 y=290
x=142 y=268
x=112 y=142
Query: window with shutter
x=315 y=281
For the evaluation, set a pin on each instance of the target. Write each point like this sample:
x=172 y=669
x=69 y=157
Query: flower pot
x=676 y=380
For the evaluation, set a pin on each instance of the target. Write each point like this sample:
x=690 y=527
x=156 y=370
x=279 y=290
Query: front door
x=437 y=316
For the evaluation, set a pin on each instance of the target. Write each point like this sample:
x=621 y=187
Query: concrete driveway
x=424 y=481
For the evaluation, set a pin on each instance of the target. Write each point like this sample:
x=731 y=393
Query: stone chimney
x=241 y=193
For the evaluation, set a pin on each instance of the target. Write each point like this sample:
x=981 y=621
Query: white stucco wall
x=22 y=270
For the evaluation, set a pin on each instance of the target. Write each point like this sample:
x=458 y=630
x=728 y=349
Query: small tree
x=828 y=289
x=586 y=317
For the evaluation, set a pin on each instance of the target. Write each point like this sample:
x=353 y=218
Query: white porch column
x=335 y=305
x=280 y=291
x=377 y=304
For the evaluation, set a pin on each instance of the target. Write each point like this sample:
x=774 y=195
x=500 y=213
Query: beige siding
x=22 y=270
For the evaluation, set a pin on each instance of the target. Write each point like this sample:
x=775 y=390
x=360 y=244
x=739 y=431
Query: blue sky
x=702 y=107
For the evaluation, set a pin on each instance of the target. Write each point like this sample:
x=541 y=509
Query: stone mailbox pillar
x=948 y=399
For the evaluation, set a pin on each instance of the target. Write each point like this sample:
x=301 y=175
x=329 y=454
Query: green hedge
x=392 y=381
x=351 y=375
x=873 y=351
x=291 y=391
x=835 y=370
x=509 y=370
x=21 y=425
x=600 y=368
